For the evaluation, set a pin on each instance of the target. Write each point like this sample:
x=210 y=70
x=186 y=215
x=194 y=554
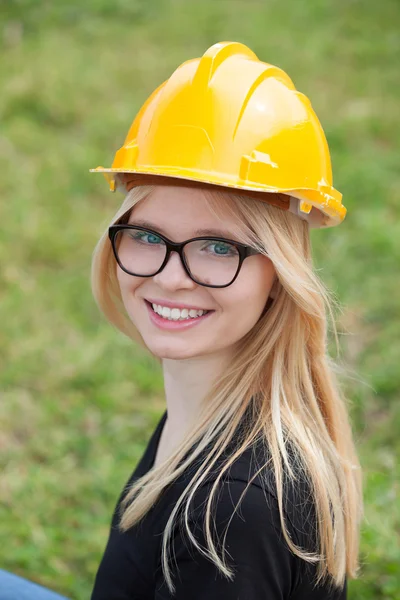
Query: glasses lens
x=213 y=262
x=140 y=252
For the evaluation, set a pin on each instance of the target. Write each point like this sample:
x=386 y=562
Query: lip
x=174 y=304
x=174 y=325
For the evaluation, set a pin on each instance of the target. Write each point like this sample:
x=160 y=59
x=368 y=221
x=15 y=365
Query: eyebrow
x=214 y=232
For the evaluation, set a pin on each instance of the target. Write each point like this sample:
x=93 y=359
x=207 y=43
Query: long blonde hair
x=283 y=373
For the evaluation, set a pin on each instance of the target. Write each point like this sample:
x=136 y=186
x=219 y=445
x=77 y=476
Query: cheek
x=247 y=297
x=128 y=284
x=257 y=282
x=124 y=283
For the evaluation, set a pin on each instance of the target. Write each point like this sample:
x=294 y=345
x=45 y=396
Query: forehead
x=184 y=212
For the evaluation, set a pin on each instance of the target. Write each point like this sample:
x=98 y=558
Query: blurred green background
x=78 y=400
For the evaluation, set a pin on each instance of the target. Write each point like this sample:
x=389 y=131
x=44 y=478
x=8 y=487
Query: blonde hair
x=283 y=373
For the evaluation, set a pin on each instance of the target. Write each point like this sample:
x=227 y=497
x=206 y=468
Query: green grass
x=78 y=401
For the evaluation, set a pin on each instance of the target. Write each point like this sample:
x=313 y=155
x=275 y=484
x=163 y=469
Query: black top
x=265 y=568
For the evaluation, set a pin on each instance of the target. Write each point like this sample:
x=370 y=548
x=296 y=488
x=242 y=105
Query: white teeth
x=176 y=314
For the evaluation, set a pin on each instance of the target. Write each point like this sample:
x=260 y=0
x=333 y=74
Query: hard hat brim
x=310 y=202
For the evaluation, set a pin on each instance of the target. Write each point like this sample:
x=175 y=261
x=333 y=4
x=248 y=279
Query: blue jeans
x=13 y=587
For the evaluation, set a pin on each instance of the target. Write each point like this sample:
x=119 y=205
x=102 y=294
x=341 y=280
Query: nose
x=173 y=276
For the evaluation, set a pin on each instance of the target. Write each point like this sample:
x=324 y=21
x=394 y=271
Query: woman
x=250 y=486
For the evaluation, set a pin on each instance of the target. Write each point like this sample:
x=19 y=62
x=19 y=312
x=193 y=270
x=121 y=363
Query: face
x=178 y=213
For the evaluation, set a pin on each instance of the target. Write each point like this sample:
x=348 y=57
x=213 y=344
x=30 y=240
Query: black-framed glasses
x=209 y=261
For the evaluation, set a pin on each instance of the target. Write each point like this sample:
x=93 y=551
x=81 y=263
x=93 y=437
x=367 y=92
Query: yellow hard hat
x=231 y=120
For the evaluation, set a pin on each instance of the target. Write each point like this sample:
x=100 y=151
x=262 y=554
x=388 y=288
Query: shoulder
x=244 y=528
x=249 y=487
x=245 y=514
x=240 y=515
x=244 y=511
x=297 y=495
x=244 y=505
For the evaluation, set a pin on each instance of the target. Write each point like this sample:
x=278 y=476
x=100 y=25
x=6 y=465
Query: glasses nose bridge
x=175 y=246
x=178 y=248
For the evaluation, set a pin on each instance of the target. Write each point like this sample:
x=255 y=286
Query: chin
x=172 y=352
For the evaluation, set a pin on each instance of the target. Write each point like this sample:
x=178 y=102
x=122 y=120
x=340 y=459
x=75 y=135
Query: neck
x=186 y=383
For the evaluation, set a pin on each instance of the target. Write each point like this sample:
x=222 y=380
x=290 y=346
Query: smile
x=177 y=314
x=176 y=318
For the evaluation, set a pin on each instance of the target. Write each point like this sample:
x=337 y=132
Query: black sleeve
x=264 y=568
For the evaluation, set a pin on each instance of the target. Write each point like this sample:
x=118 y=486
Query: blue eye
x=146 y=237
x=221 y=249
